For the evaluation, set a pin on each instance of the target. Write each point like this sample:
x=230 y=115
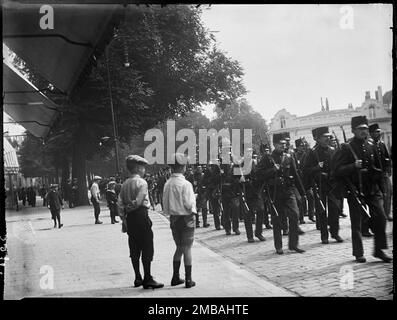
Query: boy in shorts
x=179 y=203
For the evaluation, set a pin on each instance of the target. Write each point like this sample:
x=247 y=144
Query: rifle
x=270 y=200
x=317 y=197
x=243 y=199
x=297 y=173
x=344 y=134
x=336 y=139
x=316 y=188
x=357 y=195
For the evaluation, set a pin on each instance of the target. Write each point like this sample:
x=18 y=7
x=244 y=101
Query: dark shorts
x=183 y=229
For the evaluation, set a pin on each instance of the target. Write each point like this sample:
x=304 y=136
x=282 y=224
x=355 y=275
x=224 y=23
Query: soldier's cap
x=112 y=179
x=97 y=178
x=359 y=122
x=111 y=183
x=298 y=142
x=374 y=127
x=136 y=159
x=280 y=137
x=53 y=185
x=320 y=131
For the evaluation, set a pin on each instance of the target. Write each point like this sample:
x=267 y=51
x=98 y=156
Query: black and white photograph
x=197 y=151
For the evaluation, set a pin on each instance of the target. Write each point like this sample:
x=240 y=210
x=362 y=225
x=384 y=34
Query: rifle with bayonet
x=269 y=199
x=357 y=195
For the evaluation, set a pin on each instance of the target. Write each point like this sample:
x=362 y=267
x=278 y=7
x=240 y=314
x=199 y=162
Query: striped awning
x=11 y=164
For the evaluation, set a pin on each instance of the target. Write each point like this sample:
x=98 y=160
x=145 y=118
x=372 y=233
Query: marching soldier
x=300 y=195
x=300 y=156
x=201 y=191
x=356 y=165
x=265 y=150
x=255 y=209
x=230 y=200
x=278 y=171
x=189 y=176
x=317 y=166
x=211 y=181
x=385 y=165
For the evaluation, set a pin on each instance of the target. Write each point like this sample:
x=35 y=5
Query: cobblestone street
x=92 y=260
x=316 y=273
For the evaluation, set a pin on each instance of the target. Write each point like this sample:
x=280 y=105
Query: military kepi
x=374 y=127
x=359 y=122
x=318 y=132
x=298 y=142
x=280 y=137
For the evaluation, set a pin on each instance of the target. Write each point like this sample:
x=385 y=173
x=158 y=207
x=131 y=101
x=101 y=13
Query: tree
x=34 y=162
x=240 y=115
x=174 y=67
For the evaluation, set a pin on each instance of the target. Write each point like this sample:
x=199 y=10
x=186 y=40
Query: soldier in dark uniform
x=160 y=185
x=211 y=182
x=300 y=155
x=230 y=199
x=202 y=197
x=252 y=191
x=265 y=150
x=317 y=166
x=355 y=165
x=278 y=171
x=189 y=176
x=300 y=195
x=385 y=165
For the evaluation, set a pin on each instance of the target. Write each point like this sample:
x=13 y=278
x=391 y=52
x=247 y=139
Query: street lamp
x=126 y=64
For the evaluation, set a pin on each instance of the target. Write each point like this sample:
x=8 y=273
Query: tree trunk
x=79 y=167
x=56 y=174
x=65 y=171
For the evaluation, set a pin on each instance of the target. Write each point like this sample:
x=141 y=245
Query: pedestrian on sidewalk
x=55 y=202
x=134 y=206
x=180 y=204
x=95 y=197
x=111 y=198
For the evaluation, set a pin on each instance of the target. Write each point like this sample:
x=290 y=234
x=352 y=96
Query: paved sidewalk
x=92 y=260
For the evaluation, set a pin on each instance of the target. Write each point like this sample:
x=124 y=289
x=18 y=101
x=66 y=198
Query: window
x=282 y=122
x=371 y=110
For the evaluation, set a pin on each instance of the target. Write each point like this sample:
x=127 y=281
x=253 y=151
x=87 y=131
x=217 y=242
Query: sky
x=293 y=55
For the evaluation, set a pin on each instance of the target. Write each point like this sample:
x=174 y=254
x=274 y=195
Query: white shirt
x=178 y=196
x=95 y=191
x=134 y=188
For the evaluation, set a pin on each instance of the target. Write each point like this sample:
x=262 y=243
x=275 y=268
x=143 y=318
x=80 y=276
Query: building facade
x=377 y=109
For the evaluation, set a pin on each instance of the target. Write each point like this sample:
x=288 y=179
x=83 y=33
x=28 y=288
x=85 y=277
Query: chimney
x=376 y=96
x=326 y=104
x=322 y=106
x=380 y=95
x=367 y=95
